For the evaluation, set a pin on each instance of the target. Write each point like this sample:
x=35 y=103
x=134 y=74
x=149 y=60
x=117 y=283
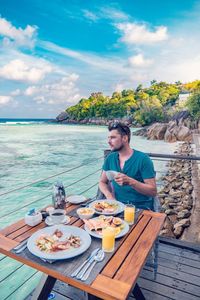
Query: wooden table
x=117 y=279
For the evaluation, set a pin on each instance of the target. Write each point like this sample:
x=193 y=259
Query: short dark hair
x=121 y=128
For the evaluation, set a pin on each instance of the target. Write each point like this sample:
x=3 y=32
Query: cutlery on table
x=85 y=264
x=19 y=248
x=97 y=258
x=90 y=200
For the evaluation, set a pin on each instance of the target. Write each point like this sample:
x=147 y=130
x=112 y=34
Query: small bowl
x=85 y=212
x=33 y=220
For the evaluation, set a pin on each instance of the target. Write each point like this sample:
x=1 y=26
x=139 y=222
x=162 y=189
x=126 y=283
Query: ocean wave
x=21 y=122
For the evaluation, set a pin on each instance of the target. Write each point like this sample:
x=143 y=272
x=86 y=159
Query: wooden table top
x=118 y=277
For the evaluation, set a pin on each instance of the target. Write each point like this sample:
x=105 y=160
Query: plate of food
x=59 y=242
x=95 y=226
x=107 y=207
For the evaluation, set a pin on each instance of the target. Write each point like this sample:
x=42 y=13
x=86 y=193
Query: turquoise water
x=31 y=151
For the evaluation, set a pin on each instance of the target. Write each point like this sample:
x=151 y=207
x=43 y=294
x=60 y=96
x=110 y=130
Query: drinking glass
x=129 y=214
x=108 y=239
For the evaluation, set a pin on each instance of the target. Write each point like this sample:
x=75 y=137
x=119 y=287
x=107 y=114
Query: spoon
x=97 y=258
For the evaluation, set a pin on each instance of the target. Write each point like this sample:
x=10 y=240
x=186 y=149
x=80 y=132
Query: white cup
x=57 y=215
x=111 y=174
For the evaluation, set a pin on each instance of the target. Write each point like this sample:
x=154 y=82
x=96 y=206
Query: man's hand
x=122 y=179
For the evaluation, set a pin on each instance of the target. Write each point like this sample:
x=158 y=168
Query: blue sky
x=55 y=52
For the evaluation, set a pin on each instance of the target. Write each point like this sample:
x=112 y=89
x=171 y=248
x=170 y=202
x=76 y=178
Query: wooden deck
x=178 y=275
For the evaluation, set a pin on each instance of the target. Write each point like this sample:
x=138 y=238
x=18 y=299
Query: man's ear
x=125 y=138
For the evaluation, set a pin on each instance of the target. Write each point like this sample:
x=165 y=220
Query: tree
x=193 y=104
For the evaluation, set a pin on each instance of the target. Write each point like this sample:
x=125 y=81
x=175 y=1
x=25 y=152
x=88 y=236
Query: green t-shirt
x=139 y=166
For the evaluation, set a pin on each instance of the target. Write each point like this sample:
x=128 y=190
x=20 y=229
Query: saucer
x=49 y=222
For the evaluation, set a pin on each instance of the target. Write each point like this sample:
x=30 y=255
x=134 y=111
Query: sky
x=55 y=52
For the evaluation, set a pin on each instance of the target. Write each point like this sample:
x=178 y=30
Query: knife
x=21 y=249
x=85 y=263
x=21 y=245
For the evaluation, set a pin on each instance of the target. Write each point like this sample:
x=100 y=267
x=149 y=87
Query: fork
x=97 y=258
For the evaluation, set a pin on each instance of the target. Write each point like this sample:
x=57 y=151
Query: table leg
x=138 y=293
x=44 y=288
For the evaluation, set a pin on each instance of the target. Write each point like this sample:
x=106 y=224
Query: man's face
x=115 y=140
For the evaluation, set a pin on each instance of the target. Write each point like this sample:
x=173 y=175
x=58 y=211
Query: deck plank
x=164 y=290
x=180 y=252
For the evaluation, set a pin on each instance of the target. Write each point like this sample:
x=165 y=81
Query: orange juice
x=129 y=214
x=108 y=239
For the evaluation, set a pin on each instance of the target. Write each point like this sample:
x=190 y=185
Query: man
x=135 y=182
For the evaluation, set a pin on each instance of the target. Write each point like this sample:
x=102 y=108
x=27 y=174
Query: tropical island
x=160 y=102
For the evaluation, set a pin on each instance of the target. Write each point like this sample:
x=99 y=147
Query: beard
x=119 y=148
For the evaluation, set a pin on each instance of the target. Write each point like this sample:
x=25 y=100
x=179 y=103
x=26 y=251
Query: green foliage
x=145 y=105
x=193 y=104
x=151 y=110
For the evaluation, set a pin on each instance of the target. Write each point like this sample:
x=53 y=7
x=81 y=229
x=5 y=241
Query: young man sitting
x=135 y=182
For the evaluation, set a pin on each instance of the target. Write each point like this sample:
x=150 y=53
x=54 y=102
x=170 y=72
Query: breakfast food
x=106 y=207
x=52 y=243
x=98 y=224
x=85 y=211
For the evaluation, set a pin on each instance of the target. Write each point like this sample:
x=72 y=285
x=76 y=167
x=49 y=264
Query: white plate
x=122 y=233
x=76 y=199
x=49 y=222
x=63 y=254
x=117 y=211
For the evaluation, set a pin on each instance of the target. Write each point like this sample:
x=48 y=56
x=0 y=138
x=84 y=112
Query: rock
x=62 y=116
x=183 y=214
x=172 y=204
x=178 y=231
x=176 y=194
x=177 y=133
x=170 y=212
x=184 y=223
x=183 y=134
x=173 y=219
x=157 y=131
x=167 y=232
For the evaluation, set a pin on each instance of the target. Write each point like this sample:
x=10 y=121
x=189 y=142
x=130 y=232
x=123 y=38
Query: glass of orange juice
x=108 y=239
x=129 y=213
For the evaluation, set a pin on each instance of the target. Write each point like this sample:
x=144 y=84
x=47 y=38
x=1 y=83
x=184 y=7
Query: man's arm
x=147 y=188
x=104 y=187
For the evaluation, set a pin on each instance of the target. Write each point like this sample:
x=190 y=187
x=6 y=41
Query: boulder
x=157 y=131
x=183 y=134
x=184 y=223
x=183 y=214
x=178 y=231
x=62 y=116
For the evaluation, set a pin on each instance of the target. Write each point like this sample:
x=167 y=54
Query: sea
x=36 y=153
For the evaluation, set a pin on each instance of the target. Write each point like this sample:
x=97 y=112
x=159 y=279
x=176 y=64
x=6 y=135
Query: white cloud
x=22 y=37
x=139 y=61
x=134 y=33
x=101 y=63
x=113 y=14
x=20 y=70
x=16 y=92
x=90 y=15
x=62 y=91
x=4 y=100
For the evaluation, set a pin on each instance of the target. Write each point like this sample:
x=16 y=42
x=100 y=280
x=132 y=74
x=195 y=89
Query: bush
x=193 y=104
